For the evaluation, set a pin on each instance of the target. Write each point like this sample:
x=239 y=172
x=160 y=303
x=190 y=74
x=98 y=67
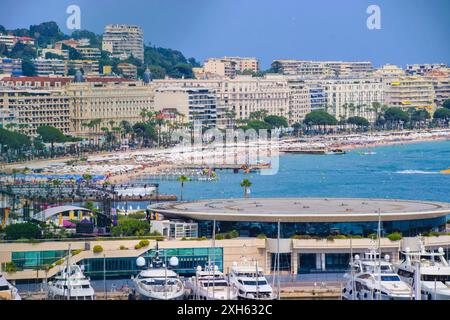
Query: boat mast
x=278 y=260
x=379 y=253
x=214 y=259
x=352 y=269
x=68 y=273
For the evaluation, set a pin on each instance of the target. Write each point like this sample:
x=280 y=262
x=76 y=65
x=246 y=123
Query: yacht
x=209 y=284
x=7 y=290
x=372 y=278
x=250 y=282
x=70 y=284
x=158 y=282
x=433 y=269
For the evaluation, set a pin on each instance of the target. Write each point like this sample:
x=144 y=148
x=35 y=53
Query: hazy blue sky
x=413 y=31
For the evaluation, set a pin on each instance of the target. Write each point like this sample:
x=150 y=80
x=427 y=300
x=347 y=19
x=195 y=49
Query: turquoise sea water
x=409 y=171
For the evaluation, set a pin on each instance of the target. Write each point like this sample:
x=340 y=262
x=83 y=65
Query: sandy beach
x=120 y=167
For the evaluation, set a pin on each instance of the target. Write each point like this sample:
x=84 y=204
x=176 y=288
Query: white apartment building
x=60 y=52
x=244 y=63
x=106 y=101
x=421 y=69
x=221 y=67
x=46 y=67
x=122 y=41
x=29 y=109
x=322 y=68
x=441 y=84
x=389 y=71
x=410 y=92
x=247 y=94
x=89 y=67
x=89 y=53
x=351 y=97
x=10 y=67
x=196 y=104
x=10 y=40
x=128 y=70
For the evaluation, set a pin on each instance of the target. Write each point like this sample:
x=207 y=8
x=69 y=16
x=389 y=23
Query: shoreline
x=121 y=167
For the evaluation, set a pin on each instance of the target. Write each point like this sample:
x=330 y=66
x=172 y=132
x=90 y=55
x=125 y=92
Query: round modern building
x=309 y=216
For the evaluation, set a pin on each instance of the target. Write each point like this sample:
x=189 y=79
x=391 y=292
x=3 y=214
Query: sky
x=412 y=31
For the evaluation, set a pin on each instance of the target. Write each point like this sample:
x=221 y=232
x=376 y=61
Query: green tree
x=360 y=122
x=13 y=140
x=130 y=227
x=246 y=184
x=182 y=179
x=51 y=135
x=446 y=104
x=22 y=51
x=442 y=114
x=276 y=121
x=396 y=115
x=27 y=230
x=146 y=132
x=257 y=125
x=319 y=118
x=420 y=116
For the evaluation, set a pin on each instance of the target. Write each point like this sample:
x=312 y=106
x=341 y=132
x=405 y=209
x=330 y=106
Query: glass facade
x=337 y=262
x=285 y=262
x=36 y=259
x=189 y=259
x=306 y=263
x=409 y=228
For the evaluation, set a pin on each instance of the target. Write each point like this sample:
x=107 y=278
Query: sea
x=408 y=171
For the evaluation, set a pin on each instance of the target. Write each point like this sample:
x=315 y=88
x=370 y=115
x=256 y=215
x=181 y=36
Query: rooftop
x=303 y=209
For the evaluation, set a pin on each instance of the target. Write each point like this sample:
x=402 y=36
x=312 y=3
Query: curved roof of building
x=303 y=209
x=50 y=212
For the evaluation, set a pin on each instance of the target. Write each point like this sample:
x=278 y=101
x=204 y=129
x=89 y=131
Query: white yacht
x=7 y=290
x=372 y=278
x=433 y=269
x=70 y=284
x=250 y=282
x=209 y=284
x=158 y=282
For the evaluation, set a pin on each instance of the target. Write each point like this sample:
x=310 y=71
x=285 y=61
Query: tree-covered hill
x=161 y=61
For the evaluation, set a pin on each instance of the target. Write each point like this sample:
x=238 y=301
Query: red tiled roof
x=62 y=80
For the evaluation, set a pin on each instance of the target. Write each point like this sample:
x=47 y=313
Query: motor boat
x=70 y=284
x=367 y=153
x=158 y=282
x=250 y=282
x=433 y=269
x=209 y=284
x=372 y=278
x=7 y=290
x=336 y=151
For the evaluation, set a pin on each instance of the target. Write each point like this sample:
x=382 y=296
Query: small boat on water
x=367 y=153
x=209 y=284
x=7 y=290
x=157 y=282
x=336 y=151
x=447 y=171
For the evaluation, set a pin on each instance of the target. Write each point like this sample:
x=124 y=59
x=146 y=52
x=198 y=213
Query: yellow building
x=410 y=92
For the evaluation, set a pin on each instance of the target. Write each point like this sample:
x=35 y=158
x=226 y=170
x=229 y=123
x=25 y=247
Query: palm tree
x=143 y=114
x=182 y=179
x=246 y=184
